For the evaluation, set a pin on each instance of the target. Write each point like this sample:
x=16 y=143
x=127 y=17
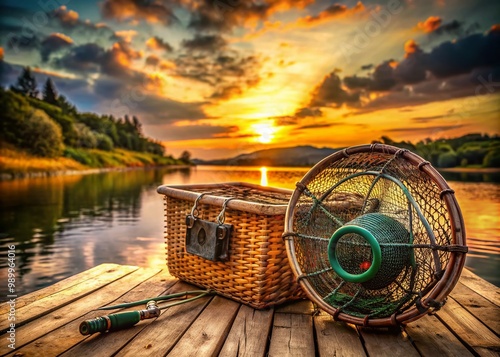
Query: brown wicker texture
x=414 y=288
x=257 y=272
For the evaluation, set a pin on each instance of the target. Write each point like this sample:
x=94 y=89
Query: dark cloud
x=450 y=58
x=367 y=67
x=427 y=119
x=157 y=43
x=463 y=55
x=428 y=129
x=308 y=112
x=435 y=26
x=224 y=15
x=331 y=12
x=382 y=78
x=152 y=60
x=83 y=58
x=331 y=93
x=53 y=43
x=129 y=10
x=413 y=68
x=229 y=73
x=206 y=43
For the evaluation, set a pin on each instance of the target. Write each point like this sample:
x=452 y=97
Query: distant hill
x=292 y=156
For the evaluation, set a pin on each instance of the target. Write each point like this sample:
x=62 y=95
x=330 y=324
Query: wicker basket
x=257 y=271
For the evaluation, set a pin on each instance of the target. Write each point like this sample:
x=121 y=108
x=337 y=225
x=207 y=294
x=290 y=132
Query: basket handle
x=222 y=215
x=194 y=210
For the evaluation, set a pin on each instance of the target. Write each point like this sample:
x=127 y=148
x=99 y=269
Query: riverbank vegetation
x=45 y=132
x=468 y=151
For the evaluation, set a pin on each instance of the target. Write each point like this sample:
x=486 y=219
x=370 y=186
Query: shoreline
x=479 y=170
x=5 y=176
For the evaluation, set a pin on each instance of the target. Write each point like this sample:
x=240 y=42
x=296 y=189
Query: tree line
x=471 y=150
x=46 y=124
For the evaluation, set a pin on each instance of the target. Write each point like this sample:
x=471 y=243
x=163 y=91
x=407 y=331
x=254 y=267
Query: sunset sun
x=266 y=132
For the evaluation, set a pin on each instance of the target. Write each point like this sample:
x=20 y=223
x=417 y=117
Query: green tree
x=85 y=137
x=49 y=92
x=65 y=105
x=26 y=84
x=42 y=136
x=447 y=159
x=14 y=109
x=185 y=157
x=492 y=158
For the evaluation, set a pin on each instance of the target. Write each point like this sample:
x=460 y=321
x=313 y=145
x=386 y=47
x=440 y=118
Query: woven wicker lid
x=373 y=198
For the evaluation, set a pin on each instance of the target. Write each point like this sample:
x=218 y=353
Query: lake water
x=66 y=224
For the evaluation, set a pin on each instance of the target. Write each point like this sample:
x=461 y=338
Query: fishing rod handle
x=119 y=320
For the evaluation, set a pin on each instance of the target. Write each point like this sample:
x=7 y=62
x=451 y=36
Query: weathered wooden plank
x=481 y=286
x=48 y=323
x=109 y=343
x=248 y=335
x=292 y=335
x=157 y=339
x=337 y=338
x=206 y=335
x=383 y=342
x=60 y=285
x=477 y=305
x=305 y=307
x=432 y=338
x=469 y=329
x=54 y=301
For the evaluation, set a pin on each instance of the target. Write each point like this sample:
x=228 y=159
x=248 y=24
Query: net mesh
x=395 y=201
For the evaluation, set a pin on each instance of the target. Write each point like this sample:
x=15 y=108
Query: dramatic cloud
x=382 y=78
x=434 y=25
x=224 y=15
x=431 y=24
x=54 y=43
x=68 y=18
x=331 y=93
x=308 y=112
x=152 y=60
x=69 y=21
x=331 y=12
x=208 y=59
x=129 y=10
x=449 y=70
x=83 y=58
x=208 y=43
x=156 y=43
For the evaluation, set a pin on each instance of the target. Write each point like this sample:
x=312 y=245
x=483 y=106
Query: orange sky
x=220 y=80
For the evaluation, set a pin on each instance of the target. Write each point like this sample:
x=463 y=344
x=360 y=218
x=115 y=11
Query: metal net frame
x=375 y=236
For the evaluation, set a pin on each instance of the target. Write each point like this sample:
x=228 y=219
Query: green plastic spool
x=349 y=242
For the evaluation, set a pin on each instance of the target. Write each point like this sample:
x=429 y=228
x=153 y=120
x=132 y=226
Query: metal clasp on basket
x=209 y=240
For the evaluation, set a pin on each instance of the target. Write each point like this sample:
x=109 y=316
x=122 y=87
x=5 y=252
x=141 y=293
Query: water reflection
x=64 y=225
x=263 y=176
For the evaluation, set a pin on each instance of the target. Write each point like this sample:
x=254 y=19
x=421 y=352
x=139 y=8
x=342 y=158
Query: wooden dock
x=47 y=323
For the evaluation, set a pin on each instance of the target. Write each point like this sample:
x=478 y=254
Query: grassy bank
x=17 y=163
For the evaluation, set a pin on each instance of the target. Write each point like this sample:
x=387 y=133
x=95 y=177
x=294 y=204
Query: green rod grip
x=110 y=322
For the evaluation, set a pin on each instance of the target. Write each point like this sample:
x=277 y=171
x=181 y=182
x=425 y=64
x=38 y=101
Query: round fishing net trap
x=375 y=236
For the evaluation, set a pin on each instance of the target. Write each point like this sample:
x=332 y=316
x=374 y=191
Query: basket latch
x=209 y=240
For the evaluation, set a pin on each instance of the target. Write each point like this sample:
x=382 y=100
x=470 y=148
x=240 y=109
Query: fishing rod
x=122 y=320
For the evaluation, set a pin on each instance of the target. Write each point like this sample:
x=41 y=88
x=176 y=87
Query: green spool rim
x=377 y=254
